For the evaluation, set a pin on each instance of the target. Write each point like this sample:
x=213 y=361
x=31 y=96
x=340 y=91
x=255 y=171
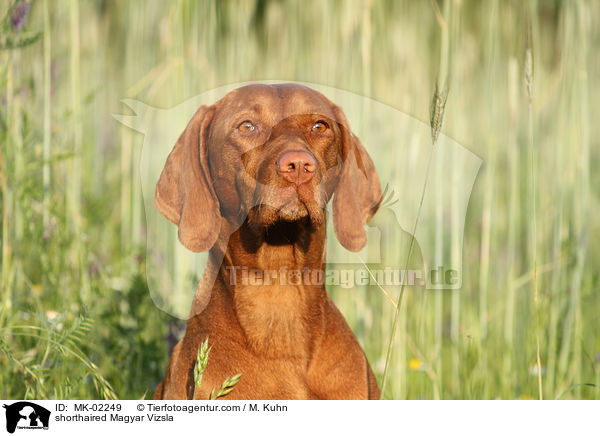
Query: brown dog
x=249 y=179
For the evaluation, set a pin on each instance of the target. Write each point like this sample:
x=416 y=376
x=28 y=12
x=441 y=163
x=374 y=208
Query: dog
x=249 y=179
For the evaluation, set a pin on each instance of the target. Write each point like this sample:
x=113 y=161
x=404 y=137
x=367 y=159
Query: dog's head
x=268 y=154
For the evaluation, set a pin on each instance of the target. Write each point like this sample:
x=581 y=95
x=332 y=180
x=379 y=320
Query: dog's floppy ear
x=184 y=192
x=358 y=194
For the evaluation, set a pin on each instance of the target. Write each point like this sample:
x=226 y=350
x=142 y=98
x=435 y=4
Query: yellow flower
x=37 y=289
x=416 y=365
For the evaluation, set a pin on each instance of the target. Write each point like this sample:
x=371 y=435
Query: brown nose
x=296 y=166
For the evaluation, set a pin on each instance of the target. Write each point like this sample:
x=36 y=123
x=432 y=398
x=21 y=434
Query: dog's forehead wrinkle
x=276 y=103
x=306 y=102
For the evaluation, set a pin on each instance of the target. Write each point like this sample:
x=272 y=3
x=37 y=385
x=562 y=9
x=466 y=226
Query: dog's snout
x=296 y=166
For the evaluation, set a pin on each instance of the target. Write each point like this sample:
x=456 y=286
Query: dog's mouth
x=293 y=210
x=286 y=207
x=266 y=204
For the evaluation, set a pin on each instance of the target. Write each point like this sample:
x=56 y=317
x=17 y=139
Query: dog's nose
x=296 y=166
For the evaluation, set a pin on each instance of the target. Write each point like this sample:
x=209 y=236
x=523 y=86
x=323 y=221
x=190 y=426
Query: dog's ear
x=357 y=194
x=184 y=192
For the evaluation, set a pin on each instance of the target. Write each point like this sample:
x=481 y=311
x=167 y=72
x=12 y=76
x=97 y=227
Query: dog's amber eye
x=246 y=127
x=319 y=127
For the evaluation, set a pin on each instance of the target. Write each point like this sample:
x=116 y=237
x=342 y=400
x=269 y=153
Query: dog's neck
x=292 y=245
x=276 y=281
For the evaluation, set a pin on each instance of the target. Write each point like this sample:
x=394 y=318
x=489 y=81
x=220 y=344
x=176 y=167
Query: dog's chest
x=276 y=319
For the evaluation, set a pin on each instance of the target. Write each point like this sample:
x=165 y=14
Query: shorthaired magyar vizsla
x=249 y=179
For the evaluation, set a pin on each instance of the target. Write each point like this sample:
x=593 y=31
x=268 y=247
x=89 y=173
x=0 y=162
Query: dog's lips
x=286 y=205
x=293 y=210
x=268 y=204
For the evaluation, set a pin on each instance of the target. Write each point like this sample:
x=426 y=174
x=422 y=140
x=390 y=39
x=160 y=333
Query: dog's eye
x=247 y=127
x=319 y=127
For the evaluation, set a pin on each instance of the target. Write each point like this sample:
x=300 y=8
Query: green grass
x=76 y=316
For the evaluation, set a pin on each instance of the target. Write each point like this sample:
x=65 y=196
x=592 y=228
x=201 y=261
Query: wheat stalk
x=226 y=387
x=199 y=368
x=201 y=362
x=529 y=87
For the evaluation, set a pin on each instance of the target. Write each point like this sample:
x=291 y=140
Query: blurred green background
x=76 y=317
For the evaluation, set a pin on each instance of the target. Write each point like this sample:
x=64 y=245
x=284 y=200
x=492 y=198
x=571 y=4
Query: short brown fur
x=220 y=186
